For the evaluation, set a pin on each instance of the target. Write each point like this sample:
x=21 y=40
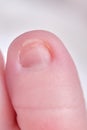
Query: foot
x=41 y=90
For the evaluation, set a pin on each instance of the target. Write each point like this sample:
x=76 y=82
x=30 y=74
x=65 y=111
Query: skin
x=40 y=88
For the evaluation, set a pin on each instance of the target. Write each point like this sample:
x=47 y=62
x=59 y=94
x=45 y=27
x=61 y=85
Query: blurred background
x=66 y=18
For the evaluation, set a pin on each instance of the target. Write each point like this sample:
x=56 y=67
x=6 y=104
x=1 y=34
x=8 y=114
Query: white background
x=65 y=18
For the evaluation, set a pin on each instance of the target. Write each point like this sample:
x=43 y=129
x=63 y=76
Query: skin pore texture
x=39 y=87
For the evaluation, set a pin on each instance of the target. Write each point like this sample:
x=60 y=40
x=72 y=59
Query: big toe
x=43 y=84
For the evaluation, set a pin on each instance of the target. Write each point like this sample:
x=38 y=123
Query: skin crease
x=45 y=92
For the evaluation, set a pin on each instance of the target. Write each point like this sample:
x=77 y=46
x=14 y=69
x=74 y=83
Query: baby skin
x=39 y=86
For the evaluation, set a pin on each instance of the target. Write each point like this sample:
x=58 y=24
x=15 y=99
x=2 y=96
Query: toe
x=43 y=84
x=7 y=115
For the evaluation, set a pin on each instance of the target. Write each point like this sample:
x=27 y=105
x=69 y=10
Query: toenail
x=35 y=53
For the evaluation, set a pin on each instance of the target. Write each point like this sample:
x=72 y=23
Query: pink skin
x=42 y=85
x=7 y=114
